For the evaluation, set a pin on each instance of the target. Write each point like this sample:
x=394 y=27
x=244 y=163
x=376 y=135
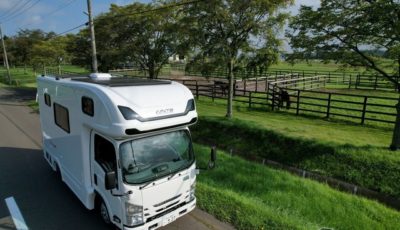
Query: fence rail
x=350 y=79
x=354 y=108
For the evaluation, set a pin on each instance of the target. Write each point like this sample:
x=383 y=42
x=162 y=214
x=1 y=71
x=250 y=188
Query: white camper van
x=122 y=145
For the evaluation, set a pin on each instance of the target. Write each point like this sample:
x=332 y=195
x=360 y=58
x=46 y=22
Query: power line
x=155 y=9
x=76 y=27
x=123 y=15
x=14 y=8
x=21 y=12
x=60 y=7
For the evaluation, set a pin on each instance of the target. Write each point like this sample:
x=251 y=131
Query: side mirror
x=110 y=180
x=213 y=157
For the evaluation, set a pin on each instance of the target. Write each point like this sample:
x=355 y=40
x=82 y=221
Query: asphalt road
x=44 y=201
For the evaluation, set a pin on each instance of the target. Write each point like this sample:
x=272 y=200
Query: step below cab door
x=104 y=159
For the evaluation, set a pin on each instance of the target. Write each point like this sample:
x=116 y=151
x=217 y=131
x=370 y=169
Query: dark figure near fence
x=284 y=98
x=223 y=86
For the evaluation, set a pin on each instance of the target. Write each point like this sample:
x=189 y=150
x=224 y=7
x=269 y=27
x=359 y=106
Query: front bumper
x=165 y=219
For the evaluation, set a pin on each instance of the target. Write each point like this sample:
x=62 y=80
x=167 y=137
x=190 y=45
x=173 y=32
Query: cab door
x=104 y=159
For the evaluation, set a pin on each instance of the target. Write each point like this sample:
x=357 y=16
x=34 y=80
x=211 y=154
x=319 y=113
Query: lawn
x=26 y=77
x=252 y=196
x=353 y=153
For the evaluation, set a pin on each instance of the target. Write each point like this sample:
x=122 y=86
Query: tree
x=50 y=52
x=344 y=30
x=140 y=34
x=23 y=42
x=224 y=30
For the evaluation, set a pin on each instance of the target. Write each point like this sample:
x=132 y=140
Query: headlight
x=134 y=214
x=192 y=190
x=128 y=113
x=190 y=106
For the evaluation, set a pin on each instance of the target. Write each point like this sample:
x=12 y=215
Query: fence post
x=298 y=102
x=250 y=99
x=376 y=82
x=197 y=90
x=350 y=82
x=329 y=105
x=234 y=88
x=266 y=84
x=256 y=84
x=357 y=80
x=212 y=93
x=244 y=87
x=364 y=110
x=273 y=97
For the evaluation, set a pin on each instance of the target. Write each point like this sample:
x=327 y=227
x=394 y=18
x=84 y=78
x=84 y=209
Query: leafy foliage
x=227 y=31
x=144 y=39
x=344 y=30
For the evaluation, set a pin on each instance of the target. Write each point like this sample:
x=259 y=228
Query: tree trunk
x=230 y=90
x=396 y=132
x=151 y=72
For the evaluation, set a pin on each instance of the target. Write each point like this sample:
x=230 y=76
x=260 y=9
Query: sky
x=62 y=15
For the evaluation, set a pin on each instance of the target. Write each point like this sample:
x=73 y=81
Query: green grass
x=319 y=66
x=251 y=196
x=352 y=153
x=26 y=77
x=34 y=106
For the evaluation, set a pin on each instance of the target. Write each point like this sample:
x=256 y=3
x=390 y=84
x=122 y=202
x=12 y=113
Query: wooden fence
x=350 y=79
x=355 y=108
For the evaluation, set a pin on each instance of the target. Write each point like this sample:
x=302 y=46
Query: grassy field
x=319 y=66
x=26 y=77
x=353 y=153
x=251 y=196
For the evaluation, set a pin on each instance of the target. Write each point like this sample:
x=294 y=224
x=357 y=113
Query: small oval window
x=87 y=106
x=47 y=99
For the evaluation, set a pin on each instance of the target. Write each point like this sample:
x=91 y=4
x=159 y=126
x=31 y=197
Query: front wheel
x=104 y=213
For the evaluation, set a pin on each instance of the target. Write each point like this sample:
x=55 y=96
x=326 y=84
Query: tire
x=103 y=212
x=58 y=173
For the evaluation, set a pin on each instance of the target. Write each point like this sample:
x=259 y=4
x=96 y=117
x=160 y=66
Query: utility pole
x=92 y=37
x=5 y=57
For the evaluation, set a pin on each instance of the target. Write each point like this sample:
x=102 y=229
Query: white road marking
x=16 y=215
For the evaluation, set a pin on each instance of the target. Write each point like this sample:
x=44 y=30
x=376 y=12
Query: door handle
x=95 y=179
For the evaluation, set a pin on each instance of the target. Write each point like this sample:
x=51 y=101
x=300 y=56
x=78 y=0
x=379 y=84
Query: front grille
x=165 y=212
x=166 y=201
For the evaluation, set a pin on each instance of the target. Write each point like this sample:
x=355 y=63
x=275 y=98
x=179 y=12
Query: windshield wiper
x=145 y=185
x=173 y=174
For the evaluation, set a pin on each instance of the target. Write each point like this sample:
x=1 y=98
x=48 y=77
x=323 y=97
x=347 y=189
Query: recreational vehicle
x=122 y=145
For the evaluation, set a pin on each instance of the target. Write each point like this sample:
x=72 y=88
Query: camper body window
x=87 y=106
x=61 y=117
x=47 y=99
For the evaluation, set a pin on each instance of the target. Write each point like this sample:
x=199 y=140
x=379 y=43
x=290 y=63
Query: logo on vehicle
x=164 y=111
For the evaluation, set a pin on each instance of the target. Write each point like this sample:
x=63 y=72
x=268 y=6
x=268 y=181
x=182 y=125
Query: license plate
x=168 y=219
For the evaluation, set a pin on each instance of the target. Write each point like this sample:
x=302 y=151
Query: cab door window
x=104 y=153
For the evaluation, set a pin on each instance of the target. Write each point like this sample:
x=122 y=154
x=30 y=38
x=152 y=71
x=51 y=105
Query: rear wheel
x=58 y=173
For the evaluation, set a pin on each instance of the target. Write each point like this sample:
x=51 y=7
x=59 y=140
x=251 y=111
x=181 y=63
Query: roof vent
x=100 y=76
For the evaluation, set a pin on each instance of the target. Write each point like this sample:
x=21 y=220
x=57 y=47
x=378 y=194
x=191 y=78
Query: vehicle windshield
x=149 y=158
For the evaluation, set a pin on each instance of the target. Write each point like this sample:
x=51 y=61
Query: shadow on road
x=18 y=94
x=45 y=201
